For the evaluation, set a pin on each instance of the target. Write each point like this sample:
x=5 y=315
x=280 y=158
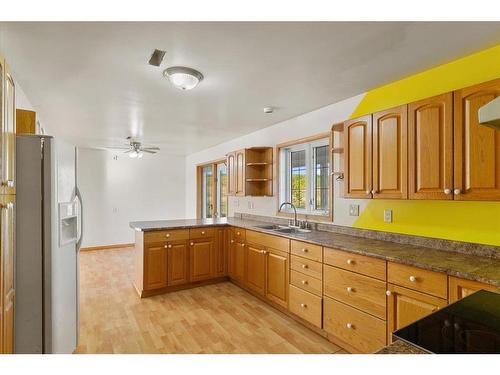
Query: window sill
x=302 y=216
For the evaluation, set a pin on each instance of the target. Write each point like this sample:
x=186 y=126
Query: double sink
x=283 y=229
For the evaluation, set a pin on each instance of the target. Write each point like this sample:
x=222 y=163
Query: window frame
x=200 y=211
x=283 y=153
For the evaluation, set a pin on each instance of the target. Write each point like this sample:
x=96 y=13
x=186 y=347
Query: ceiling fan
x=136 y=149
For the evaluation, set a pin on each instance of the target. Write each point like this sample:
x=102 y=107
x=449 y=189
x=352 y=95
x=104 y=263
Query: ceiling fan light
x=140 y=154
x=134 y=154
x=182 y=77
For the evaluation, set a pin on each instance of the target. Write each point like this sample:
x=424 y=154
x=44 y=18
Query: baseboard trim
x=108 y=247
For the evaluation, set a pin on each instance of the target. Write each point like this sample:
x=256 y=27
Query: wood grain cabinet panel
x=161 y=236
x=306 y=305
x=461 y=288
x=363 y=332
x=306 y=250
x=430 y=148
x=358 y=157
x=240 y=172
x=231 y=174
x=236 y=261
x=256 y=268
x=430 y=282
x=8 y=141
x=277 y=266
x=365 y=265
x=476 y=147
x=406 y=306
x=390 y=150
x=221 y=251
x=202 y=254
x=306 y=282
x=307 y=266
x=155 y=267
x=361 y=292
x=7 y=264
x=177 y=263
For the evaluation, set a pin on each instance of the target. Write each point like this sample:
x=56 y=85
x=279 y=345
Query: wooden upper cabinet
x=430 y=148
x=202 y=258
x=358 y=157
x=231 y=174
x=476 y=147
x=390 y=150
x=240 y=172
x=8 y=134
x=177 y=260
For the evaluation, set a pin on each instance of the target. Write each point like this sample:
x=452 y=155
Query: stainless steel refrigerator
x=48 y=238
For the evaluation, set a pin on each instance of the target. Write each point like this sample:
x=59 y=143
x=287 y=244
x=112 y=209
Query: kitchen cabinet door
x=277 y=277
x=221 y=250
x=231 y=174
x=155 y=266
x=256 y=268
x=390 y=150
x=240 y=172
x=202 y=259
x=461 y=288
x=177 y=262
x=239 y=262
x=476 y=147
x=430 y=148
x=7 y=274
x=8 y=135
x=358 y=157
x=406 y=306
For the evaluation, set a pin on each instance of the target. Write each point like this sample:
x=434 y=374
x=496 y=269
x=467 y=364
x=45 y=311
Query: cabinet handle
x=202 y=232
x=349 y=289
x=367 y=192
x=237 y=233
x=349 y=326
x=447 y=191
x=350 y=261
x=232 y=241
x=388 y=293
x=303 y=305
x=413 y=278
x=304 y=250
x=167 y=235
x=192 y=243
x=169 y=246
x=166 y=246
x=304 y=282
x=457 y=191
x=242 y=245
x=374 y=191
x=305 y=266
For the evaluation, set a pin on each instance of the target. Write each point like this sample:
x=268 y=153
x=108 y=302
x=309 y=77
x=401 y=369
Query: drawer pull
x=202 y=232
x=349 y=289
x=304 y=250
x=305 y=266
x=447 y=191
x=166 y=246
x=413 y=278
x=169 y=246
x=304 y=282
x=457 y=191
x=242 y=245
x=388 y=293
x=349 y=326
x=232 y=241
x=303 y=305
x=192 y=243
x=350 y=261
x=237 y=233
x=167 y=235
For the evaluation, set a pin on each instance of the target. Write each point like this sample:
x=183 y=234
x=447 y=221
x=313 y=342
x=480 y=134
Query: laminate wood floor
x=219 y=318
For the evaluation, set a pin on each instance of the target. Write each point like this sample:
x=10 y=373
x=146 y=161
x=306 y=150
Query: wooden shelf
x=258 y=179
x=258 y=163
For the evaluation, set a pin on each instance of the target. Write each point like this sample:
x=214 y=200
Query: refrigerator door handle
x=80 y=237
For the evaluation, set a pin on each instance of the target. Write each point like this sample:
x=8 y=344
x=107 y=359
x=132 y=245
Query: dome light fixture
x=182 y=77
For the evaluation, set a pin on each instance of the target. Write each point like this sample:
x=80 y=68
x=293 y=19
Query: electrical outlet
x=354 y=210
x=115 y=210
x=388 y=216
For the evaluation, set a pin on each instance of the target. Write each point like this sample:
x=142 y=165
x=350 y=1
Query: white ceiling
x=91 y=83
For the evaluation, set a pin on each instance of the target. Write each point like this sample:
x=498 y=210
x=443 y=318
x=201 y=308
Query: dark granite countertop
x=467 y=266
x=401 y=347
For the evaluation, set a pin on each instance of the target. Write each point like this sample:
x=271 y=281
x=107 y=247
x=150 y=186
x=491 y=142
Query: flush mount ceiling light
x=182 y=77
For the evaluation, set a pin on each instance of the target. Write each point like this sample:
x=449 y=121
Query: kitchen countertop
x=467 y=266
x=401 y=347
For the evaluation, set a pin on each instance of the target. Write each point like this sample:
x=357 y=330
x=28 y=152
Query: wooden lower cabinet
x=256 y=268
x=460 y=288
x=306 y=306
x=155 y=266
x=405 y=306
x=7 y=296
x=221 y=249
x=277 y=276
x=361 y=331
x=202 y=253
x=178 y=263
x=236 y=262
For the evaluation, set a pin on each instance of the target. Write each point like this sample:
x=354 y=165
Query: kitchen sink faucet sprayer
x=295 y=224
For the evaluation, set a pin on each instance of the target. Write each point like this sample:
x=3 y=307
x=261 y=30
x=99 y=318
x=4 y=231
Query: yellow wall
x=462 y=221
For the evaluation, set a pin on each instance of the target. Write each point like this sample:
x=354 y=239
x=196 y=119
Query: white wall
x=308 y=124
x=116 y=192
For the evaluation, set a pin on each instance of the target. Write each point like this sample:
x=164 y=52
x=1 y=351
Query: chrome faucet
x=295 y=224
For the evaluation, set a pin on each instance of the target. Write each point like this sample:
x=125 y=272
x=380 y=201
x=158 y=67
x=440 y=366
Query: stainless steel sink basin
x=269 y=226
x=292 y=230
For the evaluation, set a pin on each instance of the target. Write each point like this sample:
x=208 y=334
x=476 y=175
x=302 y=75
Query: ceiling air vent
x=157 y=57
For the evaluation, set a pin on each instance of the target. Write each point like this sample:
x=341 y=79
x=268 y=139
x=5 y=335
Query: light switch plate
x=388 y=216
x=354 y=210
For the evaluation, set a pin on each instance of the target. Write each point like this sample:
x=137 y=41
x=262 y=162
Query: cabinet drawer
x=305 y=305
x=306 y=282
x=163 y=235
x=238 y=235
x=307 y=250
x=430 y=282
x=358 y=329
x=268 y=240
x=362 y=292
x=365 y=265
x=201 y=232
x=306 y=266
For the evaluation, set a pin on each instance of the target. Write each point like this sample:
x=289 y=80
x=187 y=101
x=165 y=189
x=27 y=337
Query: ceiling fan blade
x=151 y=148
x=126 y=152
x=148 y=151
x=117 y=148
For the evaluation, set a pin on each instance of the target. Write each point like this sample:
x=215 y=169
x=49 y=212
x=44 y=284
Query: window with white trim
x=304 y=177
